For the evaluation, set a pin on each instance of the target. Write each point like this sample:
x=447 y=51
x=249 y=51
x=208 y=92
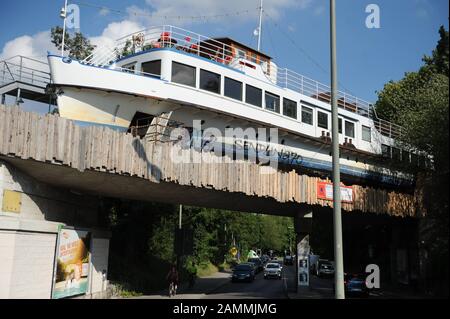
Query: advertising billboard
x=325 y=191
x=72 y=263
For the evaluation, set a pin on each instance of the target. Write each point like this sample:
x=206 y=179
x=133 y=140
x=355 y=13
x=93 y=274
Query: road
x=259 y=288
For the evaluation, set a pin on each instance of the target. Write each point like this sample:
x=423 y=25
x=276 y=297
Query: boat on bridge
x=225 y=85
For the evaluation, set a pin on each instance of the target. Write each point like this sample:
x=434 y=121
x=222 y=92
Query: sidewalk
x=323 y=289
x=202 y=287
x=318 y=289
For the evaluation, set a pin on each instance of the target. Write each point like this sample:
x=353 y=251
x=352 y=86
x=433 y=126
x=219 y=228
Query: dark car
x=355 y=285
x=258 y=263
x=326 y=268
x=265 y=259
x=243 y=272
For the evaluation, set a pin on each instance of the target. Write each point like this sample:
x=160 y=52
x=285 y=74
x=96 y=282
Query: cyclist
x=172 y=277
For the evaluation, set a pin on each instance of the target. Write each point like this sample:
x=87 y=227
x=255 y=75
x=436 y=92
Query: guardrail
x=168 y=36
x=23 y=69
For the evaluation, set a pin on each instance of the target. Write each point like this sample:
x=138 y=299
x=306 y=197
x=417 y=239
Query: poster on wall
x=325 y=191
x=72 y=263
x=303 y=251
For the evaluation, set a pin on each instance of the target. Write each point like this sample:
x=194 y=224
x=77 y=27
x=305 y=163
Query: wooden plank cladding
x=56 y=140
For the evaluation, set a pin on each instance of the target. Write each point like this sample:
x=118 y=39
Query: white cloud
x=35 y=46
x=114 y=31
x=138 y=18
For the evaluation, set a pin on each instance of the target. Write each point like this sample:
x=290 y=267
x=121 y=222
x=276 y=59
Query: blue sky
x=367 y=58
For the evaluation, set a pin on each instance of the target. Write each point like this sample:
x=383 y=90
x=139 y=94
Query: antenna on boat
x=258 y=30
x=63 y=15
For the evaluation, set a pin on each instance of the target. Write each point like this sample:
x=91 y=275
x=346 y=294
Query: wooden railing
x=59 y=141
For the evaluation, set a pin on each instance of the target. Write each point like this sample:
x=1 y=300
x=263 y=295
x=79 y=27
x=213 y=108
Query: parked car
x=288 y=260
x=272 y=270
x=258 y=263
x=243 y=272
x=265 y=259
x=355 y=284
x=325 y=268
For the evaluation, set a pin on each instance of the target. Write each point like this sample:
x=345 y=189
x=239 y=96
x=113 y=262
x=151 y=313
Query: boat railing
x=23 y=69
x=168 y=36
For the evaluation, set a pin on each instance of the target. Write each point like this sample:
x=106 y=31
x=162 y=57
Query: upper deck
x=235 y=55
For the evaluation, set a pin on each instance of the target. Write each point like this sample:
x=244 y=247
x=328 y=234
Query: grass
x=206 y=269
x=124 y=292
x=224 y=266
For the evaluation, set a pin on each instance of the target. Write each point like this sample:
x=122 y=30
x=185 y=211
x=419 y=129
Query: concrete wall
x=28 y=234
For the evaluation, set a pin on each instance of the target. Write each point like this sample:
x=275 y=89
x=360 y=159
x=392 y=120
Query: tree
x=420 y=104
x=440 y=57
x=79 y=46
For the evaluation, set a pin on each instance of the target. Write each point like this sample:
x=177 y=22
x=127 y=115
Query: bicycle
x=172 y=289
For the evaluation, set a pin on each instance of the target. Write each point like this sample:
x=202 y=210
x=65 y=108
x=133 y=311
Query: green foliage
x=439 y=60
x=420 y=104
x=161 y=243
x=142 y=243
x=127 y=49
x=78 y=45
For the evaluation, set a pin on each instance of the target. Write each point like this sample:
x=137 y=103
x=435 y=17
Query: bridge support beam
x=303 y=228
x=18 y=97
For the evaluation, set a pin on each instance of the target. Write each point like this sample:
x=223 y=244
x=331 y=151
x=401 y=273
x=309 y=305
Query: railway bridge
x=55 y=173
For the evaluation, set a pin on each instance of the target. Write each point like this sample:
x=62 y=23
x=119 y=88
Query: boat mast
x=63 y=15
x=260 y=24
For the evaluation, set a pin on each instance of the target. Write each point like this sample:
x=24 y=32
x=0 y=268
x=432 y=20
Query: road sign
x=233 y=251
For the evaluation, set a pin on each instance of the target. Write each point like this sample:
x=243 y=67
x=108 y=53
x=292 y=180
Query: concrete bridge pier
x=303 y=228
x=33 y=217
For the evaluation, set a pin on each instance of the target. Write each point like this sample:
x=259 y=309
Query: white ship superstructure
x=224 y=84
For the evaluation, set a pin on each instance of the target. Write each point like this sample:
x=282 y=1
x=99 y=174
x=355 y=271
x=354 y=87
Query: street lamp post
x=337 y=219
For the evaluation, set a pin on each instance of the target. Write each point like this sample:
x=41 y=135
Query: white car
x=272 y=270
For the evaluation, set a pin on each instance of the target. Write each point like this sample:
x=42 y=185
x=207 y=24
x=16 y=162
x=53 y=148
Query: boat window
x=210 y=81
x=349 y=129
x=405 y=156
x=241 y=54
x=152 y=68
x=414 y=159
x=272 y=102
x=307 y=115
x=290 y=108
x=322 y=120
x=340 y=125
x=233 y=89
x=366 y=134
x=396 y=154
x=183 y=74
x=385 y=150
x=129 y=68
x=253 y=95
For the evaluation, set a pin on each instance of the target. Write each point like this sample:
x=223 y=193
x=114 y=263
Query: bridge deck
x=59 y=142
